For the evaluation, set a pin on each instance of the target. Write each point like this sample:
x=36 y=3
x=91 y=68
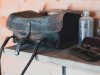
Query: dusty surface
x=60 y=54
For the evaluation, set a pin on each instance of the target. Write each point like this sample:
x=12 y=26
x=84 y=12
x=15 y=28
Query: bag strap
x=4 y=44
x=38 y=42
x=23 y=39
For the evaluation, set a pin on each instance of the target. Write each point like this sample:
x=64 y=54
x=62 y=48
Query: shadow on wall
x=9 y=6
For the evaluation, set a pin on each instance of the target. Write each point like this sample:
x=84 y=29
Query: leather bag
x=60 y=30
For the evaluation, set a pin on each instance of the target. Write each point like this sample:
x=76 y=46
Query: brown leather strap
x=58 y=11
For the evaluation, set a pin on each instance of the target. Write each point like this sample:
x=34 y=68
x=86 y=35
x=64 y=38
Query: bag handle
x=58 y=11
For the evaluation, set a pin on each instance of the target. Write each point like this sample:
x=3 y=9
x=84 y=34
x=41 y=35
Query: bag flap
x=39 y=22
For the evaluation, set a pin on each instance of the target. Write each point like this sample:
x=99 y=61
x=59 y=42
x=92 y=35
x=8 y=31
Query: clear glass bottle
x=98 y=29
x=86 y=25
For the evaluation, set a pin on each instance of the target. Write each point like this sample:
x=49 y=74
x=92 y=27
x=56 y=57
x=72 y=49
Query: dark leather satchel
x=60 y=30
x=57 y=31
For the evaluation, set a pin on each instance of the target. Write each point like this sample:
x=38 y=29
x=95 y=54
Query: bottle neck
x=99 y=24
x=86 y=15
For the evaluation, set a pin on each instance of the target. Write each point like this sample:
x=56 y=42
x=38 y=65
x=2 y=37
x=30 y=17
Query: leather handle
x=58 y=11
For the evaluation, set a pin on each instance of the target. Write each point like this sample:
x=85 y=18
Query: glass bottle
x=98 y=29
x=86 y=25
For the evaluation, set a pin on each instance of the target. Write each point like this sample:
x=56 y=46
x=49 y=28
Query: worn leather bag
x=60 y=30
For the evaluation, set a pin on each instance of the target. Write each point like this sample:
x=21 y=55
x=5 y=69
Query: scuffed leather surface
x=67 y=36
x=52 y=40
x=39 y=23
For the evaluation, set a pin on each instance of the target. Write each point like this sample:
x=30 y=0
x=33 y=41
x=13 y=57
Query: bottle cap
x=86 y=12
